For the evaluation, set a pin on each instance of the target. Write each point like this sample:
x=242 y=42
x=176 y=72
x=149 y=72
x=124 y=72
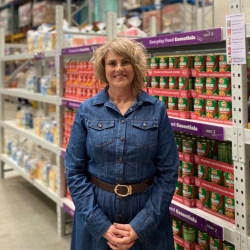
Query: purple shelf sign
x=214 y=230
x=193 y=37
x=80 y=50
x=71 y=104
x=68 y=210
x=39 y=56
x=63 y=153
x=188 y=126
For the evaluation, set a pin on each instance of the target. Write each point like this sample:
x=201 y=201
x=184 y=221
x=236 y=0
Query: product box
x=132 y=4
x=146 y=21
x=173 y=18
x=24 y=15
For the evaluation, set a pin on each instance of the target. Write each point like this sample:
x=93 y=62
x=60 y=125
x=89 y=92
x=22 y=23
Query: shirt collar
x=103 y=97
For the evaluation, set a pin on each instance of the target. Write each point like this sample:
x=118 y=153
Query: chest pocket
x=100 y=133
x=144 y=133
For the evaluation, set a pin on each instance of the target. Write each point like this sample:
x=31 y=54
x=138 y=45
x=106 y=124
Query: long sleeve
x=81 y=189
x=167 y=160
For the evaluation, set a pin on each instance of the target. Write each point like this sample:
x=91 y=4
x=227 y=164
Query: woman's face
x=119 y=70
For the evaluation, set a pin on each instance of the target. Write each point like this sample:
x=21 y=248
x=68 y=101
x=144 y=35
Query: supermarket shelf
x=204 y=221
x=63 y=152
x=23 y=93
x=211 y=130
x=30 y=134
x=73 y=104
x=68 y=206
x=52 y=195
x=80 y=50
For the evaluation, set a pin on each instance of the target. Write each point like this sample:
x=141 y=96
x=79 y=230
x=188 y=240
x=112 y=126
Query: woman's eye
x=126 y=62
x=112 y=63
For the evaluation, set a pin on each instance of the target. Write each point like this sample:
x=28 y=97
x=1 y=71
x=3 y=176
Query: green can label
x=146 y=82
x=185 y=104
x=204 y=197
x=188 y=146
x=223 y=152
x=229 y=207
x=177 y=246
x=189 y=233
x=173 y=62
x=204 y=173
x=204 y=148
x=203 y=240
x=230 y=157
x=228 y=246
x=163 y=63
x=212 y=86
x=214 y=149
x=215 y=244
x=200 y=107
x=188 y=169
x=186 y=62
x=185 y=83
x=225 y=110
x=163 y=82
x=217 y=176
x=228 y=180
x=212 y=109
x=173 y=82
x=155 y=81
x=189 y=191
x=200 y=63
x=154 y=63
x=177 y=227
x=164 y=99
x=173 y=103
x=200 y=85
x=224 y=87
x=223 y=66
x=180 y=170
x=178 y=141
x=212 y=63
x=217 y=203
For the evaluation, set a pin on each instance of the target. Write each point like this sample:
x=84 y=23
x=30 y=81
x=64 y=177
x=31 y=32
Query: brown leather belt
x=123 y=190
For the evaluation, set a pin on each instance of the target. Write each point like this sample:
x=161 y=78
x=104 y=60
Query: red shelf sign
x=169 y=72
x=194 y=94
x=187 y=180
x=178 y=114
x=186 y=157
x=196 y=73
x=185 y=202
x=169 y=92
x=183 y=243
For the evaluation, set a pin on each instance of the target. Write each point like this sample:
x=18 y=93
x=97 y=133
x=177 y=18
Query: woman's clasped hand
x=120 y=236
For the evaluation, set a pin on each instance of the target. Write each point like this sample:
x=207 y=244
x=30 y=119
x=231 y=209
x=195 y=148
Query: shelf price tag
x=39 y=55
x=214 y=230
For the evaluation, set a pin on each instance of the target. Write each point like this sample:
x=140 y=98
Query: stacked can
x=163 y=63
x=154 y=63
x=212 y=63
x=186 y=62
x=215 y=244
x=173 y=62
x=203 y=240
x=223 y=66
x=200 y=63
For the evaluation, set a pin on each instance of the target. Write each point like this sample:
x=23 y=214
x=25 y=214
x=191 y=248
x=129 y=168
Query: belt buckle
x=123 y=195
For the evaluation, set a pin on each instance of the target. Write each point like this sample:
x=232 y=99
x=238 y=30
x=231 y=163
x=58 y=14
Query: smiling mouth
x=120 y=76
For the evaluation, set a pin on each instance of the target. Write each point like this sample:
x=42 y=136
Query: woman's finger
x=122 y=226
x=112 y=246
x=121 y=232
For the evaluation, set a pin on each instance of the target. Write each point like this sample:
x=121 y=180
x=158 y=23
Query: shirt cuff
x=143 y=225
x=98 y=224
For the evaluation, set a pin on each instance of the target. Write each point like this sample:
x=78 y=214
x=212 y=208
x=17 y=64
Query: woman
x=122 y=136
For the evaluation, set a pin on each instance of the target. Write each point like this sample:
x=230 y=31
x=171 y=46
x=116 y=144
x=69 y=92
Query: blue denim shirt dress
x=122 y=149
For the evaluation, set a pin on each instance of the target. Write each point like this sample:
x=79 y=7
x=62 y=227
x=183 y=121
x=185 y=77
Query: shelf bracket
x=241 y=145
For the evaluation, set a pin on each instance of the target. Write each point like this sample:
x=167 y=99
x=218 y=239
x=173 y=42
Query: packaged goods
x=163 y=63
x=164 y=99
x=200 y=63
x=214 y=145
x=200 y=85
x=224 y=87
x=223 y=152
x=164 y=82
x=154 y=63
x=188 y=169
x=186 y=62
x=204 y=173
x=189 y=145
x=189 y=191
x=178 y=189
x=155 y=80
x=212 y=109
x=227 y=246
x=223 y=66
x=203 y=148
x=217 y=202
x=229 y=207
x=173 y=82
x=185 y=104
x=52 y=178
x=200 y=107
x=178 y=141
x=212 y=86
x=180 y=169
x=146 y=21
x=24 y=15
x=215 y=244
x=185 y=83
x=172 y=103
x=177 y=246
x=217 y=176
x=204 y=197
x=212 y=63
x=203 y=240
x=229 y=180
x=188 y=232
x=225 y=110
x=174 y=62
x=177 y=226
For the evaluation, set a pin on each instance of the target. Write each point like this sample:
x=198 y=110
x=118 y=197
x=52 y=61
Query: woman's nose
x=119 y=67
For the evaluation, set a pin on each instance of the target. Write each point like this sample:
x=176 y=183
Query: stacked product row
x=69 y=117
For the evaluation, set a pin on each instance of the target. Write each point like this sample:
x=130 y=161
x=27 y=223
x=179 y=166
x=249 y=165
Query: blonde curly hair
x=126 y=48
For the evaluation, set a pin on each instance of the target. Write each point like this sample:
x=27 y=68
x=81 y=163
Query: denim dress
x=122 y=149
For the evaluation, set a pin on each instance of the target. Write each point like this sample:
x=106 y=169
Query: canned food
x=212 y=109
x=188 y=145
x=173 y=83
x=212 y=86
x=188 y=169
x=215 y=244
x=214 y=147
x=188 y=232
x=230 y=159
x=154 y=63
x=177 y=246
x=223 y=66
x=200 y=85
x=163 y=62
x=212 y=63
x=200 y=107
x=186 y=62
x=185 y=83
x=163 y=82
x=146 y=82
x=224 y=86
x=227 y=246
x=177 y=226
x=223 y=152
x=173 y=62
x=225 y=110
x=185 y=104
x=229 y=207
x=204 y=197
x=180 y=170
x=164 y=99
x=203 y=148
x=228 y=180
x=155 y=80
x=178 y=141
x=172 y=103
x=217 y=176
x=217 y=202
x=204 y=173
x=203 y=240
x=200 y=63
x=189 y=191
